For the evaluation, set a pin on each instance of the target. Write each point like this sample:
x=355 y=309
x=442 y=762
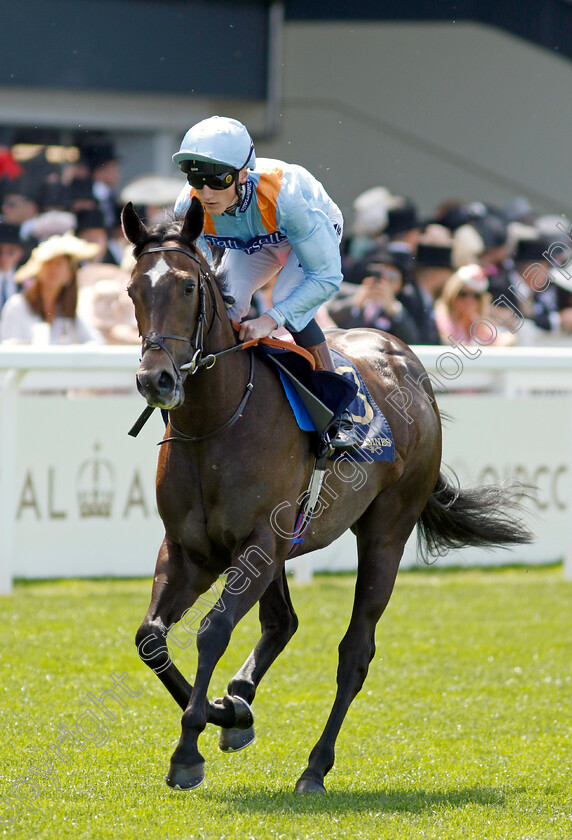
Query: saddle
x=322 y=394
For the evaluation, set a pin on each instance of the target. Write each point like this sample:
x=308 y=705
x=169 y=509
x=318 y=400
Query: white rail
x=94 y=388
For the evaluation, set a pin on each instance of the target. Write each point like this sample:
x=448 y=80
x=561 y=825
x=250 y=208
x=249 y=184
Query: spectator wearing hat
x=403 y=225
x=46 y=310
x=20 y=204
x=463 y=313
x=91 y=227
x=51 y=223
x=104 y=165
x=11 y=254
x=153 y=196
x=369 y=223
x=375 y=302
x=468 y=246
x=432 y=270
x=355 y=271
x=80 y=195
x=53 y=195
x=533 y=295
x=480 y=235
x=103 y=302
x=452 y=214
x=495 y=256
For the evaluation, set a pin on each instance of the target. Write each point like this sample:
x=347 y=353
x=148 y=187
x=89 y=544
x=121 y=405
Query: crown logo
x=95 y=480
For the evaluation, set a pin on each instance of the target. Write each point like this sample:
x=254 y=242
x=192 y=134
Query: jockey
x=274 y=220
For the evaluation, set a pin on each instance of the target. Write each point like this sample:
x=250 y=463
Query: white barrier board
x=84 y=498
x=493 y=439
x=85 y=490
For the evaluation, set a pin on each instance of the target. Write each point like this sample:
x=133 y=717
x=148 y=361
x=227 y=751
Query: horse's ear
x=133 y=228
x=194 y=221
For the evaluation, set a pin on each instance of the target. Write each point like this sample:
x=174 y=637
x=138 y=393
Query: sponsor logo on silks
x=251 y=246
x=247 y=191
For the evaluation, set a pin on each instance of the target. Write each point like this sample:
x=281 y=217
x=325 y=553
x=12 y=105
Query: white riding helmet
x=219 y=140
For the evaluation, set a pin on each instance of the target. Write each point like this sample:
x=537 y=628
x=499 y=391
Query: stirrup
x=345 y=437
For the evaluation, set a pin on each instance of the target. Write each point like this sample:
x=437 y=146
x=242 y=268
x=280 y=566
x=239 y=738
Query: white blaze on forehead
x=157 y=272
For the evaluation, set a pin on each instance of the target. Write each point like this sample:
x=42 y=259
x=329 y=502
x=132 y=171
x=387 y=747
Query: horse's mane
x=171 y=229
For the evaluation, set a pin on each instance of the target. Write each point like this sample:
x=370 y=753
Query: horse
x=233 y=456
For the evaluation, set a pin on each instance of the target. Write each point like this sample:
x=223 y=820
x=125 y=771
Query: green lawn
x=463 y=728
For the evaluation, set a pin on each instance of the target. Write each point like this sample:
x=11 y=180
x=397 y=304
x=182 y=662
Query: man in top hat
x=403 y=225
x=11 y=254
x=105 y=168
x=431 y=272
x=532 y=292
x=20 y=204
x=91 y=227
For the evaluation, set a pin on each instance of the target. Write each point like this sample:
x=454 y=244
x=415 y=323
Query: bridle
x=154 y=340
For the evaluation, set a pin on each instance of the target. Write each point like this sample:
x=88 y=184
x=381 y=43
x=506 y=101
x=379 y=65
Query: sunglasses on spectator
x=465 y=293
x=219 y=178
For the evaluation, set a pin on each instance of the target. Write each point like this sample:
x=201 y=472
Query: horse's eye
x=190 y=287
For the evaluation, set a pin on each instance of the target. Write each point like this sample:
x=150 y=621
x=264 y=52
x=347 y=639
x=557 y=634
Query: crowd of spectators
x=471 y=273
x=64 y=262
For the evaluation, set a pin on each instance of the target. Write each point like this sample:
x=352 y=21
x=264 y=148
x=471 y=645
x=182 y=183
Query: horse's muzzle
x=160 y=388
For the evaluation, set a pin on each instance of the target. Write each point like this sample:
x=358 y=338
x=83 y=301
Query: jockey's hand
x=257 y=327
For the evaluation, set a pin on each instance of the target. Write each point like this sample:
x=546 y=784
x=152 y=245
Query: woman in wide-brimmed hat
x=45 y=311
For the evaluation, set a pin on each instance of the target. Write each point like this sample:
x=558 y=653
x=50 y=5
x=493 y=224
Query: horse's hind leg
x=382 y=533
x=278 y=622
x=356 y=650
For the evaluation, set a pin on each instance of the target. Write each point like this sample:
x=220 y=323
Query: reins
x=155 y=340
x=230 y=422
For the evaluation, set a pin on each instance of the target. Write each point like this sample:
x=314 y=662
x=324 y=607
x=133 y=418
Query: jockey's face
x=217 y=202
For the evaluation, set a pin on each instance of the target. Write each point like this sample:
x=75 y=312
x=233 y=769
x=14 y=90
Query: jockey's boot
x=345 y=436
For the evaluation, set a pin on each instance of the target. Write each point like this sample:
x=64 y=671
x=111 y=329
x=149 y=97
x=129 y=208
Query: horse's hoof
x=308 y=786
x=243 y=711
x=185 y=776
x=233 y=740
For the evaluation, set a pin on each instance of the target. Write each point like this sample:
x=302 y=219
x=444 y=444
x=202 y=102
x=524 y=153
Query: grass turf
x=462 y=730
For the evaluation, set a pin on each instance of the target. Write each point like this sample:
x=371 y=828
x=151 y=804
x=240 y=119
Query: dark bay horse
x=235 y=456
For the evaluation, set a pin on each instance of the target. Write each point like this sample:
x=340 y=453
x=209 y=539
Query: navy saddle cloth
x=336 y=392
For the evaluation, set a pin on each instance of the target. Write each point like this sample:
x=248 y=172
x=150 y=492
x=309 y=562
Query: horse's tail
x=482 y=516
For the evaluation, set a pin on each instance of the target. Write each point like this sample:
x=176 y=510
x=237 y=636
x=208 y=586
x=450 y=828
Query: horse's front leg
x=246 y=581
x=177 y=584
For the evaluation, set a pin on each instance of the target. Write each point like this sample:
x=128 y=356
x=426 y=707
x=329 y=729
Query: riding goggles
x=215 y=176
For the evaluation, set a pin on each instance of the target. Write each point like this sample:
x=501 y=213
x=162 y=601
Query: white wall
x=495 y=439
x=429 y=110
x=77 y=494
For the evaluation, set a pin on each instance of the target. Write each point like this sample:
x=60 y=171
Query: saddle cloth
x=338 y=392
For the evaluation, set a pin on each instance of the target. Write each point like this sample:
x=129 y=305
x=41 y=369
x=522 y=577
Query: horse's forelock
x=171 y=229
